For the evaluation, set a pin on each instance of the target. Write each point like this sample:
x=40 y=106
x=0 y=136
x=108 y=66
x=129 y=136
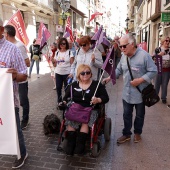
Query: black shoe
x=24 y=124
x=19 y=162
x=168 y=106
x=164 y=101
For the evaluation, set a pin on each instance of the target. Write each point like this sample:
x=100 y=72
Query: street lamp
x=127 y=20
x=65 y=6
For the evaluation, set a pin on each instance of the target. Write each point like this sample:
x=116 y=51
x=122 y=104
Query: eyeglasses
x=167 y=40
x=85 y=72
x=124 y=46
x=63 y=44
x=83 y=45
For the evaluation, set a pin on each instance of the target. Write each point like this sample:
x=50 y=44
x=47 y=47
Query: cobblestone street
x=152 y=153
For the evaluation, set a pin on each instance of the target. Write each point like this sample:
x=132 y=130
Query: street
x=152 y=153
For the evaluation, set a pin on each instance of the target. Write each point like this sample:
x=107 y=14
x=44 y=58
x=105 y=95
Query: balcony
x=167 y=5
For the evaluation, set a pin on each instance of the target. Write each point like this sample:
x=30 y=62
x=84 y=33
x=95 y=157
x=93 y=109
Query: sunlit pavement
x=152 y=153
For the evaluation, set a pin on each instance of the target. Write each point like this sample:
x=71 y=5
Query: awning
x=78 y=12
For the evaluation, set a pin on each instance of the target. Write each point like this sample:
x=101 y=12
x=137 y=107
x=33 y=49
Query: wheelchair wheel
x=96 y=150
x=107 y=129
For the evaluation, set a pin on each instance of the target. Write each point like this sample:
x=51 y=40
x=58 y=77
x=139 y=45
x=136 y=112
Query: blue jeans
x=24 y=101
x=162 y=81
x=60 y=79
x=32 y=64
x=128 y=118
x=20 y=134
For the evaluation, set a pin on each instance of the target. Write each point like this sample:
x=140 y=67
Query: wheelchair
x=102 y=126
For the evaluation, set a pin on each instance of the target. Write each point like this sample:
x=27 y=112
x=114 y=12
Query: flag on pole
x=109 y=65
x=43 y=34
x=68 y=29
x=17 y=21
x=97 y=34
x=93 y=16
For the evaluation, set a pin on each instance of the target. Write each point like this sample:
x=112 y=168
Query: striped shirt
x=11 y=57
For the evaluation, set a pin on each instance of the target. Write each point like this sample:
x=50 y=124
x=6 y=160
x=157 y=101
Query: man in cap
x=11 y=57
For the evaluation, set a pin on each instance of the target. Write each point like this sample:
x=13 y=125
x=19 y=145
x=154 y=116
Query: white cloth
x=63 y=62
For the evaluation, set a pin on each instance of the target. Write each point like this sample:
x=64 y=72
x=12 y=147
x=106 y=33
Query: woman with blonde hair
x=83 y=94
x=162 y=79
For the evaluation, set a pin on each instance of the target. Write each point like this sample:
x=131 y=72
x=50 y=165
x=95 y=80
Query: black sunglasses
x=85 y=72
x=124 y=46
x=63 y=44
x=167 y=40
x=83 y=45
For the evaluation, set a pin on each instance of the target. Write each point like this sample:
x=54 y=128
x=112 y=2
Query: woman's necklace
x=83 y=94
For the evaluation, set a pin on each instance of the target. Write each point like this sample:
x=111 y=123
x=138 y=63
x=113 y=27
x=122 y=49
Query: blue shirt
x=141 y=65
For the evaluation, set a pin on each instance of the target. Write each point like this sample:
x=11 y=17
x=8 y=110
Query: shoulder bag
x=149 y=94
x=35 y=57
x=76 y=112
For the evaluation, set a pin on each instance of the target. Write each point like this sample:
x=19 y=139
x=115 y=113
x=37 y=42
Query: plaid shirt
x=11 y=57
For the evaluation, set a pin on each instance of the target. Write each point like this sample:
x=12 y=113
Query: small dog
x=51 y=124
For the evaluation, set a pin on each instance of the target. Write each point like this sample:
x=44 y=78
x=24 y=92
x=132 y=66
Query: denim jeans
x=20 y=134
x=128 y=118
x=24 y=101
x=60 y=79
x=32 y=64
x=162 y=81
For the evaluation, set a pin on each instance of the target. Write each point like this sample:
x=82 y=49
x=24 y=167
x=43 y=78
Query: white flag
x=8 y=130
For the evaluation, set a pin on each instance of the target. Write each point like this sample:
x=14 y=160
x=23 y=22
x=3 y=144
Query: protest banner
x=8 y=130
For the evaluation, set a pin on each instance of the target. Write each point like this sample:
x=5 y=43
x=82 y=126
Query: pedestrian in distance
x=9 y=33
x=62 y=62
x=162 y=80
x=12 y=58
x=143 y=70
x=34 y=49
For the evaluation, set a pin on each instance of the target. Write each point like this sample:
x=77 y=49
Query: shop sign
x=165 y=17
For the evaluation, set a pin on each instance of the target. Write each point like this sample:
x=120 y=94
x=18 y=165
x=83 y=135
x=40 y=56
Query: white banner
x=8 y=130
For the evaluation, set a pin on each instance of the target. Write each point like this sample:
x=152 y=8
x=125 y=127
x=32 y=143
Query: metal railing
x=139 y=3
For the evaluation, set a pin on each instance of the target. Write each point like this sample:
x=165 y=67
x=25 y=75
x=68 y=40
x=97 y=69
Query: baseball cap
x=1 y=22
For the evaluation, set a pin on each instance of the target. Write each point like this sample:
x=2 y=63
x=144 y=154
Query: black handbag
x=149 y=94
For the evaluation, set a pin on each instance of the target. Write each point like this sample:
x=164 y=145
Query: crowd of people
x=82 y=63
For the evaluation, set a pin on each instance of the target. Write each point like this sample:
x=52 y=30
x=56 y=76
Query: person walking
x=11 y=57
x=143 y=70
x=35 y=50
x=9 y=33
x=162 y=79
x=62 y=62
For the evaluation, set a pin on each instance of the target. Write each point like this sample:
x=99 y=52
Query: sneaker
x=54 y=88
x=123 y=139
x=168 y=106
x=164 y=101
x=19 y=162
x=137 y=138
x=24 y=125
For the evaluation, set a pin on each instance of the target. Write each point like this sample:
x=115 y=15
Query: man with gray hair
x=143 y=70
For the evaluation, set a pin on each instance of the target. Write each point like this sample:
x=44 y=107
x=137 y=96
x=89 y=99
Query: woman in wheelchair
x=83 y=93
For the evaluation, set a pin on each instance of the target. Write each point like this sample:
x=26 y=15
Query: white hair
x=130 y=37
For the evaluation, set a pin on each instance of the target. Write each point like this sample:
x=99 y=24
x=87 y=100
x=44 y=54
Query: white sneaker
x=54 y=88
x=38 y=76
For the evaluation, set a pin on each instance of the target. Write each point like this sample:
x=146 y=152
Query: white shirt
x=23 y=50
x=63 y=62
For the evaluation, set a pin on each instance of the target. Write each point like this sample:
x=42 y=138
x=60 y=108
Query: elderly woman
x=83 y=94
x=86 y=55
x=162 y=79
x=62 y=63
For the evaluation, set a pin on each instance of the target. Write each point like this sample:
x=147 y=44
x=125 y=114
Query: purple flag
x=106 y=41
x=109 y=65
x=66 y=34
x=97 y=34
x=104 y=34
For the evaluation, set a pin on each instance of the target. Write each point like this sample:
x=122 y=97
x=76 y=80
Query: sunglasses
x=85 y=72
x=123 y=46
x=83 y=45
x=63 y=44
x=167 y=40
